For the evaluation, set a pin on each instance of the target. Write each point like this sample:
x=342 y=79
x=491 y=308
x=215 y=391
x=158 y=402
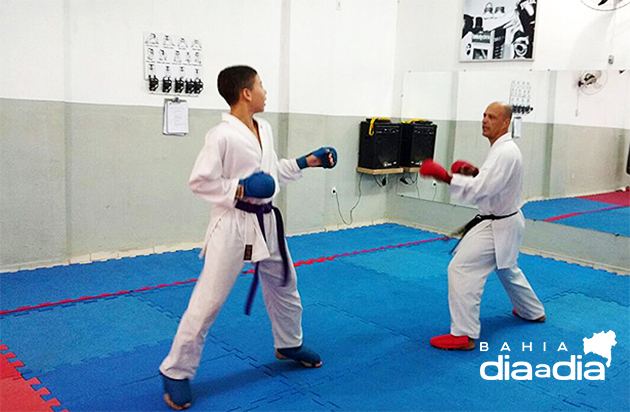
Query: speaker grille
x=382 y=149
x=418 y=143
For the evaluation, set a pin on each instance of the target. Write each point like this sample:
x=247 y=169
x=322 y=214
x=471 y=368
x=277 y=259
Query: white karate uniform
x=492 y=244
x=232 y=152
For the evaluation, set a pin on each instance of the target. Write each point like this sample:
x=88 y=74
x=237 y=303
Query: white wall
x=92 y=51
x=339 y=60
x=106 y=53
x=575 y=36
x=478 y=88
x=569 y=36
x=464 y=96
x=608 y=107
x=342 y=57
x=32 y=49
x=590 y=145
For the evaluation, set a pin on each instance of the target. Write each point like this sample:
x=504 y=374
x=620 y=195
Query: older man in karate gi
x=239 y=173
x=491 y=241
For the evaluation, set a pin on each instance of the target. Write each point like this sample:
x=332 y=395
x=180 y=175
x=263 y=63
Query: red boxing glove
x=431 y=169
x=464 y=168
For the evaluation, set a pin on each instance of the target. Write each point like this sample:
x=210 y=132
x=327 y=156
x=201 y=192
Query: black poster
x=498 y=30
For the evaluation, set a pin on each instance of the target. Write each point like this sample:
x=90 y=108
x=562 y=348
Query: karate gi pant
x=223 y=263
x=474 y=260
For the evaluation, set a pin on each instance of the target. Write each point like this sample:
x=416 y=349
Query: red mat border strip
x=560 y=217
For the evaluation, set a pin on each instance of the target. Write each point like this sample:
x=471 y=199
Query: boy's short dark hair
x=234 y=79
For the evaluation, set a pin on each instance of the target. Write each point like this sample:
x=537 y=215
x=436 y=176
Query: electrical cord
x=353 y=207
x=379 y=183
x=408 y=181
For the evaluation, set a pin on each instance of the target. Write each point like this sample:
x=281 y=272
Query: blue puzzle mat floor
x=370 y=316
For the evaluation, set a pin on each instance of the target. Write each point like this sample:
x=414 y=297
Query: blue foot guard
x=302 y=355
x=177 y=393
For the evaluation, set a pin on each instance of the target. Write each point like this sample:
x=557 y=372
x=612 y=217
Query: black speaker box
x=418 y=143
x=380 y=148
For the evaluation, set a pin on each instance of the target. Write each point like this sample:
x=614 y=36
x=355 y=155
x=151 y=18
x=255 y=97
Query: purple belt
x=260 y=210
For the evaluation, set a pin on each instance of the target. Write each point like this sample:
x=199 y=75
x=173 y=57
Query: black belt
x=260 y=210
x=474 y=222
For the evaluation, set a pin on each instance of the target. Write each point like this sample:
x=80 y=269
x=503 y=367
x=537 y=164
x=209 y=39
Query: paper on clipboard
x=175 y=117
x=517 y=127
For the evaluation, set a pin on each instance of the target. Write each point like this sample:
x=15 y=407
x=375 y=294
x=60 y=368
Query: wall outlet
x=333 y=191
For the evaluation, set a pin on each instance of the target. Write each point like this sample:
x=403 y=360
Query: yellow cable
x=415 y=120
x=374 y=119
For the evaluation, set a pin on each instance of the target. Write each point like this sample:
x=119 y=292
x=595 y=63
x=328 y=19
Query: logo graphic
x=600 y=344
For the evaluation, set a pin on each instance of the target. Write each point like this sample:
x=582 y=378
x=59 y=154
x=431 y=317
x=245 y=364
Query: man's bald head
x=496 y=120
x=506 y=108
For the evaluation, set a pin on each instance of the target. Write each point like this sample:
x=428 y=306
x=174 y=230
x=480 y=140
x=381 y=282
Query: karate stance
x=239 y=173
x=491 y=241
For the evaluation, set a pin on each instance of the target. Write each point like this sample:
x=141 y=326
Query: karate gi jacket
x=496 y=190
x=231 y=152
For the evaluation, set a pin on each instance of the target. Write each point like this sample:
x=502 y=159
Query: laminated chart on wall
x=175 y=117
x=171 y=57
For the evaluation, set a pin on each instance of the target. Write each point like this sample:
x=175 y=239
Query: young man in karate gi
x=239 y=173
x=492 y=240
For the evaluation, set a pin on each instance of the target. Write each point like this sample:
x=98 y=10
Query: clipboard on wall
x=175 y=117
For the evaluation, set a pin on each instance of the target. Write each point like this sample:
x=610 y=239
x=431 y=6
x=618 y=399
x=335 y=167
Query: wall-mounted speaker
x=379 y=144
x=418 y=143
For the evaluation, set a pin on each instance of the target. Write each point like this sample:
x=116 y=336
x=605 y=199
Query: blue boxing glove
x=260 y=185
x=323 y=154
